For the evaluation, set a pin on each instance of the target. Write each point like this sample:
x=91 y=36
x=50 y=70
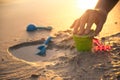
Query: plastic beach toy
x=98 y=46
x=83 y=43
x=32 y=27
x=43 y=47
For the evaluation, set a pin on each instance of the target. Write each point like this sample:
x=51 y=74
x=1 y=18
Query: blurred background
x=15 y=15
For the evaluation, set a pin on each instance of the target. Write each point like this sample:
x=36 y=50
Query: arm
x=106 y=5
x=97 y=16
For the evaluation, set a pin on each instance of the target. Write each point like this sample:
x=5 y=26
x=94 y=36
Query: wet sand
x=74 y=65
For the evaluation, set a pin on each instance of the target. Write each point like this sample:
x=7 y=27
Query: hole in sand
x=28 y=52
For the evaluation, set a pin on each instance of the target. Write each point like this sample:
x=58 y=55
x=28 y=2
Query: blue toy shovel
x=43 y=47
x=32 y=27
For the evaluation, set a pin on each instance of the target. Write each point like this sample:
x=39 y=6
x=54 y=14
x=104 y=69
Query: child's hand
x=89 y=17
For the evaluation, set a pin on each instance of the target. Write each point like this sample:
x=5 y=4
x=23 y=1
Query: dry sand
x=71 y=65
x=65 y=64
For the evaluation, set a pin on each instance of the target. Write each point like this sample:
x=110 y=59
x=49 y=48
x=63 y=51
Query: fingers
x=73 y=23
x=83 y=21
x=89 y=17
x=82 y=29
x=76 y=25
x=89 y=25
x=98 y=28
x=79 y=25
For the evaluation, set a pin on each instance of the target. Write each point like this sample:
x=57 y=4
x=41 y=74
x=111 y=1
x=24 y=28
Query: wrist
x=102 y=11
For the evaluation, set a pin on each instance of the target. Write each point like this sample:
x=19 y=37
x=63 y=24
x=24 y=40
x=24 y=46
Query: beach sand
x=65 y=62
x=62 y=61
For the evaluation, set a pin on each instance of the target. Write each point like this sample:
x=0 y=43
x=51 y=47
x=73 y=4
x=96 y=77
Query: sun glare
x=86 y=4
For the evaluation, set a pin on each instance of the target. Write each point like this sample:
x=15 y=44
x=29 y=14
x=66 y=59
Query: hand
x=88 y=18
